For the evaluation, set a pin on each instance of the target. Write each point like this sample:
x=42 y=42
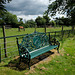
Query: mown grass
x=14 y=31
x=64 y=64
x=59 y=65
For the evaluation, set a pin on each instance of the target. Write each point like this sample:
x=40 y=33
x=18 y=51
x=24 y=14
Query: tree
x=10 y=19
x=2 y=7
x=40 y=21
x=21 y=21
x=63 y=21
x=62 y=6
x=53 y=23
x=47 y=19
x=30 y=23
x=1 y=22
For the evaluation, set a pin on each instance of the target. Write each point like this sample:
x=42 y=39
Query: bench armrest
x=54 y=41
x=23 y=51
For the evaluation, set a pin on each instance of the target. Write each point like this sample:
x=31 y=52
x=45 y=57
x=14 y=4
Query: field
x=14 y=31
x=58 y=64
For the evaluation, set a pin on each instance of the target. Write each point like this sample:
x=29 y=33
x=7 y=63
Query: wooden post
x=18 y=29
x=0 y=54
x=55 y=34
x=24 y=29
x=45 y=28
x=17 y=44
x=35 y=28
x=62 y=27
x=62 y=33
x=5 y=48
x=68 y=33
x=49 y=39
x=73 y=28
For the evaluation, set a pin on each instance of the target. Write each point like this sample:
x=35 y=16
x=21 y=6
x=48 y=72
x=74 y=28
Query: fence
x=11 y=47
x=11 y=44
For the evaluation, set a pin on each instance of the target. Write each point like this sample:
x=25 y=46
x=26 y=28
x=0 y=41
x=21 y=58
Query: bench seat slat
x=40 y=51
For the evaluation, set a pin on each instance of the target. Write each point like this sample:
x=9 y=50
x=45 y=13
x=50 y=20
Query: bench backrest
x=35 y=41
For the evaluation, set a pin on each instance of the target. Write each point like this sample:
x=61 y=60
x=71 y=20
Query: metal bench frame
x=35 y=44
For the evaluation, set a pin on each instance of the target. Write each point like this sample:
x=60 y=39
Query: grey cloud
x=27 y=7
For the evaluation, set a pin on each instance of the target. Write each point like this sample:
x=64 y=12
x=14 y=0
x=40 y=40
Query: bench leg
x=29 y=63
x=19 y=60
x=58 y=49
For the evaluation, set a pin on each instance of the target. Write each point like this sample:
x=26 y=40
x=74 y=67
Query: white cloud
x=43 y=2
x=28 y=9
x=28 y=17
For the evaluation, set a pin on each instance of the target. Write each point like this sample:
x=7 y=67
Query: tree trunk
x=45 y=28
x=72 y=28
x=35 y=28
x=62 y=33
x=62 y=27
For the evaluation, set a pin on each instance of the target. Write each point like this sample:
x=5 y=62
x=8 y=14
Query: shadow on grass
x=14 y=64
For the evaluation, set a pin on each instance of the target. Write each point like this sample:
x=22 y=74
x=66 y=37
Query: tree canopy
x=63 y=21
x=40 y=21
x=2 y=7
x=30 y=23
x=63 y=6
x=9 y=19
x=47 y=19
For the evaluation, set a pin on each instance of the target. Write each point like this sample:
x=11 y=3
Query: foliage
x=47 y=19
x=40 y=21
x=5 y=16
x=10 y=19
x=20 y=23
x=2 y=7
x=1 y=22
x=62 y=6
x=20 y=19
x=73 y=16
x=63 y=21
x=53 y=23
x=30 y=23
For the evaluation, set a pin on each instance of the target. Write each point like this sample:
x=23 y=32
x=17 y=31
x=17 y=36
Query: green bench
x=35 y=44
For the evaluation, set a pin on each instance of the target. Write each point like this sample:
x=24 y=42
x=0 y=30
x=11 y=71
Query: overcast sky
x=27 y=9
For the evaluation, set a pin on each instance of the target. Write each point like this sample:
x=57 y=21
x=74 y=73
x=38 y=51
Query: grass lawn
x=14 y=31
x=62 y=64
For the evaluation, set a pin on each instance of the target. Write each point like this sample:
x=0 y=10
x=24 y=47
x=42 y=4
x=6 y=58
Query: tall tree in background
x=10 y=19
x=41 y=22
x=2 y=7
x=62 y=6
x=30 y=23
x=63 y=21
x=46 y=17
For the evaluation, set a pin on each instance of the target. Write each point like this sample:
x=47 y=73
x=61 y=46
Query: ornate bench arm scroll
x=57 y=43
x=23 y=51
x=54 y=41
